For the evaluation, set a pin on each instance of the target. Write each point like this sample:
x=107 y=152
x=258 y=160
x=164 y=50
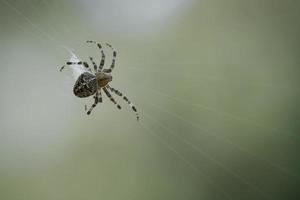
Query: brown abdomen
x=86 y=85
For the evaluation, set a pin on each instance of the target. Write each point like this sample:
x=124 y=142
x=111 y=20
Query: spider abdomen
x=86 y=85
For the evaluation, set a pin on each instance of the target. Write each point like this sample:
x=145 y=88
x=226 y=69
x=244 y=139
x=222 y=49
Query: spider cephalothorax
x=88 y=84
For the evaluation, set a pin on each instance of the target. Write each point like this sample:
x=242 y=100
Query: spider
x=89 y=83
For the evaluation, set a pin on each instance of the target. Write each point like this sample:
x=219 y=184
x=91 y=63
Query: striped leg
x=102 y=53
x=110 y=97
x=113 y=60
x=62 y=68
x=100 y=96
x=126 y=99
x=94 y=64
x=94 y=104
x=77 y=63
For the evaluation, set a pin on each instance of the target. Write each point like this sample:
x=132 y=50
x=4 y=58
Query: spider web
x=77 y=70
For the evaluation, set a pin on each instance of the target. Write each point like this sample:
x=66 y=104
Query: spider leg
x=79 y=63
x=61 y=68
x=126 y=99
x=110 y=97
x=94 y=104
x=102 y=53
x=94 y=64
x=113 y=60
x=100 y=96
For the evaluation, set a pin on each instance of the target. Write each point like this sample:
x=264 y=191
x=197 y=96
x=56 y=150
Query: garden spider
x=89 y=84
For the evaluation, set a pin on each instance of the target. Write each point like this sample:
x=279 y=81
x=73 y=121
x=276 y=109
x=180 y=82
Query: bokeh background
x=216 y=83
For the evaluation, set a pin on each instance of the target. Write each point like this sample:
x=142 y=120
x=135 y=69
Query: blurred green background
x=216 y=83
